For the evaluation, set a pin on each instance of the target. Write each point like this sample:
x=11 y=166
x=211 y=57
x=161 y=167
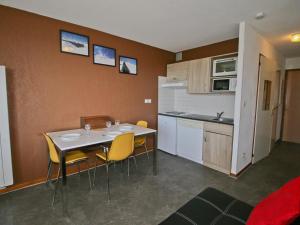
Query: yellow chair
x=72 y=157
x=141 y=141
x=121 y=148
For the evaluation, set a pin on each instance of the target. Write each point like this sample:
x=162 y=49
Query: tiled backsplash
x=205 y=104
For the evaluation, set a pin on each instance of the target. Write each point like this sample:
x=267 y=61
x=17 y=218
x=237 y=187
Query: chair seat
x=75 y=156
x=101 y=155
x=139 y=141
x=136 y=145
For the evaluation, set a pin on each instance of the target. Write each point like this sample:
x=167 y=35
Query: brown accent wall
x=219 y=48
x=49 y=90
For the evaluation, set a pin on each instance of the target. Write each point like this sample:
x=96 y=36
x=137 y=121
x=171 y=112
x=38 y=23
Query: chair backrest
x=94 y=121
x=52 y=150
x=142 y=123
x=121 y=147
x=141 y=140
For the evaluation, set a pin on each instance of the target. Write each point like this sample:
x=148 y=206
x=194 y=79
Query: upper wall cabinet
x=199 y=76
x=177 y=71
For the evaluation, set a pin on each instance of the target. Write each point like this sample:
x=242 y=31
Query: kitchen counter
x=201 y=118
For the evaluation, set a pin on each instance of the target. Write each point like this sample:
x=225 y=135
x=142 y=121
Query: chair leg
x=78 y=166
x=56 y=185
x=145 y=146
x=107 y=177
x=95 y=172
x=134 y=158
x=90 y=183
x=128 y=167
x=49 y=171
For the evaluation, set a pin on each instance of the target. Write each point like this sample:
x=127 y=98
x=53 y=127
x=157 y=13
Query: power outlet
x=148 y=101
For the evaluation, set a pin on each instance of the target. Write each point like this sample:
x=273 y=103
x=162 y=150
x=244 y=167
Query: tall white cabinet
x=6 y=173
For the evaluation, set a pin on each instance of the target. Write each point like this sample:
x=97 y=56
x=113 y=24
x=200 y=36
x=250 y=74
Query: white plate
x=70 y=137
x=126 y=128
x=113 y=133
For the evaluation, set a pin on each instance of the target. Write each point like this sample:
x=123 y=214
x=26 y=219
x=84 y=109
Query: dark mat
x=211 y=207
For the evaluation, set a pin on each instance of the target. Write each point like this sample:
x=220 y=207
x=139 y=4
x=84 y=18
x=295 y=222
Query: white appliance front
x=6 y=172
x=224 y=84
x=167 y=134
x=225 y=67
x=190 y=139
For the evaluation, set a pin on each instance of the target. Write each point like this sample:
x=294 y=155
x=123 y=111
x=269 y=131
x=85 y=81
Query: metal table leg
x=154 y=154
x=63 y=167
x=64 y=182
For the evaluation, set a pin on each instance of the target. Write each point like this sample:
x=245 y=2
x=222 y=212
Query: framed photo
x=73 y=43
x=128 y=65
x=104 y=55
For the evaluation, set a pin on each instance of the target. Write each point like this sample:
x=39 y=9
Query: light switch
x=147 y=100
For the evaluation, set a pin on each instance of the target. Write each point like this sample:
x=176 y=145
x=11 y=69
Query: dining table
x=70 y=140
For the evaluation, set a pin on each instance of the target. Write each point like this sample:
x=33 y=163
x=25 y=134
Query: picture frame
x=74 y=43
x=128 y=65
x=103 y=55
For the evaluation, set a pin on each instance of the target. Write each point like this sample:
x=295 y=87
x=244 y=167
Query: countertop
x=212 y=119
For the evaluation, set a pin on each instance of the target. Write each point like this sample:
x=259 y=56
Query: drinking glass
x=108 y=124
x=117 y=122
x=87 y=128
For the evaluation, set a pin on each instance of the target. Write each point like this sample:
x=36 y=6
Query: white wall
x=292 y=63
x=204 y=104
x=251 y=45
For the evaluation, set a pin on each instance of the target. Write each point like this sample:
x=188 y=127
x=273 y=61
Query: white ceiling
x=175 y=25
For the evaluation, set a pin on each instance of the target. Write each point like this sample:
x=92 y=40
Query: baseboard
x=38 y=181
x=242 y=171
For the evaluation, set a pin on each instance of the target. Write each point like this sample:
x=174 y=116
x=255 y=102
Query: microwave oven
x=223 y=84
x=225 y=67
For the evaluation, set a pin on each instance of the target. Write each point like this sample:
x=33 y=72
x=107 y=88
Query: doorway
x=291 y=112
x=266 y=108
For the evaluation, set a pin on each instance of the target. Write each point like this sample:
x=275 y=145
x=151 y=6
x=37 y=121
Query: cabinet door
x=177 y=71
x=217 y=150
x=199 y=76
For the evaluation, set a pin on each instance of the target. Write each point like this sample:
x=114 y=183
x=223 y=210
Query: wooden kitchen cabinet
x=199 y=76
x=217 y=146
x=178 y=71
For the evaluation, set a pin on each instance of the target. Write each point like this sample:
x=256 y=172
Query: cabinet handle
x=204 y=139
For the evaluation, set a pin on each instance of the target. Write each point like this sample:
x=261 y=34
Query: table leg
x=64 y=182
x=63 y=168
x=154 y=154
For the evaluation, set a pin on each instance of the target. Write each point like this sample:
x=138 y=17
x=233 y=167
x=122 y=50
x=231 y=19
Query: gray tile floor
x=143 y=198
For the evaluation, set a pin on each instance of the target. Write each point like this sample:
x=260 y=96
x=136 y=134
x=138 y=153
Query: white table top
x=92 y=137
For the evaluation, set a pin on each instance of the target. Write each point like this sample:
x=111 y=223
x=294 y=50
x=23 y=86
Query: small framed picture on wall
x=73 y=43
x=128 y=65
x=104 y=55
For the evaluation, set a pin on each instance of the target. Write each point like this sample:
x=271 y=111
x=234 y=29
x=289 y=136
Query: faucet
x=219 y=115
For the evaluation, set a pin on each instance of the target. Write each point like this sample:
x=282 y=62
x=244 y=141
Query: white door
x=264 y=108
x=190 y=139
x=167 y=134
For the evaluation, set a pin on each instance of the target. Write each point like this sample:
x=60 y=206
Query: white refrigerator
x=6 y=172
